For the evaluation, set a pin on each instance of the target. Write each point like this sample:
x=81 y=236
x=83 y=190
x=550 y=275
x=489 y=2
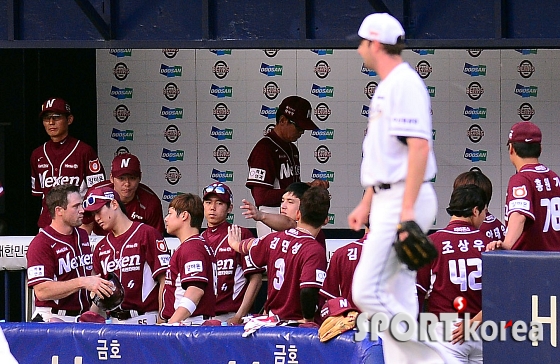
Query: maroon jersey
x=294 y=260
x=56 y=257
x=493 y=228
x=535 y=193
x=137 y=257
x=273 y=163
x=340 y=272
x=457 y=271
x=145 y=207
x=69 y=161
x=231 y=267
x=192 y=262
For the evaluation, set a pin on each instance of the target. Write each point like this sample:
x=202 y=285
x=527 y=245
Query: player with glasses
x=239 y=282
x=62 y=159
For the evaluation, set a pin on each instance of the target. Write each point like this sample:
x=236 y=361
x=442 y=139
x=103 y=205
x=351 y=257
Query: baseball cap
x=336 y=306
x=381 y=27
x=97 y=197
x=126 y=163
x=55 y=105
x=525 y=132
x=221 y=190
x=298 y=110
x=90 y=316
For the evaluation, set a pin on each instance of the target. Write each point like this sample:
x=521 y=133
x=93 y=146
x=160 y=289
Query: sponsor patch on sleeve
x=257 y=174
x=164 y=259
x=193 y=267
x=95 y=166
x=519 y=204
x=36 y=271
x=33 y=183
x=94 y=178
x=161 y=245
x=519 y=192
x=320 y=275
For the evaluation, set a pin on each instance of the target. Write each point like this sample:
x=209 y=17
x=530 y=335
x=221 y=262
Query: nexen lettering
x=124 y=264
x=66 y=264
x=49 y=182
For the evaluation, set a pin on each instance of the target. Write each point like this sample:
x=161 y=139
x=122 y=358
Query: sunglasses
x=93 y=199
x=215 y=189
x=54 y=117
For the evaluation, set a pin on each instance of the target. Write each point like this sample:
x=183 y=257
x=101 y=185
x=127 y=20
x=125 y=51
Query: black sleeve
x=309 y=298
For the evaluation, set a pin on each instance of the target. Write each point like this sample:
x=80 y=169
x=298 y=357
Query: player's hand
x=457 y=334
x=358 y=217
x=494 y=245
x=251 y=211
x=234 y=237
x=98 y=285
x=234 y=321
x=319 y=183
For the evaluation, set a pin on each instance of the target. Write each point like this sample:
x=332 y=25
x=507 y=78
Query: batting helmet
x=115 y=299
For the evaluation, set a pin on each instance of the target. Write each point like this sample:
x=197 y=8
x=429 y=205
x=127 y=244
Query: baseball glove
x=416 y=250
x=336 y=325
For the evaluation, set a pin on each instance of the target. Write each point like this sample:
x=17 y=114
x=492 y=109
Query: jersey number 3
x=280 y=266
x=458 y=273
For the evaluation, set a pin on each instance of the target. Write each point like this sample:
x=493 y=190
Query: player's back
x=458 y=269
x=294 y=260
x=534 y=192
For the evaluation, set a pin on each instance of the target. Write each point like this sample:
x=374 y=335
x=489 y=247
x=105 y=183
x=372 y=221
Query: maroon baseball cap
x=221 y=190
x=126 y=163
x=55 y=105
x=336 y=306
x=525 y=132
x=97 y=197
x=90 y=316
x=298 y=110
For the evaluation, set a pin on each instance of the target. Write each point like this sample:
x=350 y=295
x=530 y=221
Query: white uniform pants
x=149 y=318
x=383 y=284
x=469 y=352
x=46 y=314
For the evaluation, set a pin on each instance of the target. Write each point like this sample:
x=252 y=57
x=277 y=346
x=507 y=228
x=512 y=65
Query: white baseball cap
x=381 y=27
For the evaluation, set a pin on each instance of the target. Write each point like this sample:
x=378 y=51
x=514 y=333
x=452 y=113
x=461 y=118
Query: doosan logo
x=168 y=196
x=271 y=70
x=368 y=71
x=323 y=134
x=526 y=91
x=475 y=113
x=473 y=70
x=322 y=175
x=322 y=91
x=475 y=155
x=365 y=111
x=221 y=92
x=171 y=114
x=121 y=52
x=171 y=71
x=221 y=52
x=225 y=176
x=122 y=135
x=121 y=94
x=221 y=134
x=322 y=52
x=172 y=155
x=268 y=112
x=424 y=52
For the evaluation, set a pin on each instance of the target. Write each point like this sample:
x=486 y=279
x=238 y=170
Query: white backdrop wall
x=193 y=116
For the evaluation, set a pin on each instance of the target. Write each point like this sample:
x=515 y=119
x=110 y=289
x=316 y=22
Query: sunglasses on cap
x=215 y=189
x=91 y=200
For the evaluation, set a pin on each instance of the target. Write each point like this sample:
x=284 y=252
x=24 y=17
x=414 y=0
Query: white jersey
x=400 y=107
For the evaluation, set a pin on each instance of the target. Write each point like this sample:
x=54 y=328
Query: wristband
x=188 y=304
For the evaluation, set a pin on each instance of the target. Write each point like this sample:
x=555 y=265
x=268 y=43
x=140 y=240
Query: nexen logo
x=268 y=112
x=321 y=92
x=475 y=155
x=475 y=113
x=68 y=264
x=48 y=182
x=125 y=264
x=323 y=134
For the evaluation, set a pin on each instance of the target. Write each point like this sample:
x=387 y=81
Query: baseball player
x=135 y=252
x=62 y=159
x=398 y=163
x=492 y=227
x=340 y=271
x=457 y=271
x=59 y=260
x=274 y=161
x=191 y=279
x=286 y=219
x=238 y=282
x=531 y=207
x=295 y=262
x=141 y=203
